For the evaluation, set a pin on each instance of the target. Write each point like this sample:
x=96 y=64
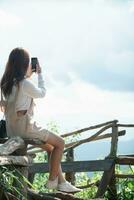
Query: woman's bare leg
x=56 y=155
x=49 y=148
x=57 y=171
x=61 y=178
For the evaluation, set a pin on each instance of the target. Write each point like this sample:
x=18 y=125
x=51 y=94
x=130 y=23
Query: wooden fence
x=70 y=166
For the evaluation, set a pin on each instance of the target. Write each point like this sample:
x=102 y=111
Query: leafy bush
x=11 y=183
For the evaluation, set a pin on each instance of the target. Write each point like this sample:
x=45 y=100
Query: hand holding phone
x=35 y=65
x=34 y=62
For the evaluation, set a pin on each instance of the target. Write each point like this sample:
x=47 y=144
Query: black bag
x=3 y=132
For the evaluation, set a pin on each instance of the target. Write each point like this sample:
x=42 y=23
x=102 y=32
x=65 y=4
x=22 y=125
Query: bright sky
x=86 y=50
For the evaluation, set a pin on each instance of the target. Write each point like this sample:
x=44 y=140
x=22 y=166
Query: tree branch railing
x=88 y=128
x=69 y=145
x=126 y=125
x=91 y=138
x=99 y=135
x=96 y=136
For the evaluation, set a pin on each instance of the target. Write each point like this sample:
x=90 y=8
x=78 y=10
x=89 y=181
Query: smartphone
x=34 y=62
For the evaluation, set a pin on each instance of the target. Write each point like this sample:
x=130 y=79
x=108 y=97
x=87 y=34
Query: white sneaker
x=67 y=187
x=52 y=184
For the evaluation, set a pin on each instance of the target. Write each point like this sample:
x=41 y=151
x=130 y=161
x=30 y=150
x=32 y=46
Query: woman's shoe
x=67 y=187
x=52 y=184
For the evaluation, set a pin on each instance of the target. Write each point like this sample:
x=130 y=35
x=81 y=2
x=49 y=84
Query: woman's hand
x=38 y=68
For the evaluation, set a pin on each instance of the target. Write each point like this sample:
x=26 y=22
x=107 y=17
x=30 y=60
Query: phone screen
x=34 y=62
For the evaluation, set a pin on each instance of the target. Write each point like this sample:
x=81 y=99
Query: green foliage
x=12 y=182
x=82 y=179
x=39 y=182
x=53 y=126
x=41 y=157
x=40 y=178
x=126 y=186
x=126 y=189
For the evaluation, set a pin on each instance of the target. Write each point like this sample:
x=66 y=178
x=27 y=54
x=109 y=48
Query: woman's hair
x=15 y=70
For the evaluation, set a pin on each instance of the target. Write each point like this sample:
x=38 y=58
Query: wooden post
x=13 y=155
x=70 y=176
x=108 y=177
x=21 y=171
x=114 y=140
x=105 y=180
x=113 y=154
x=112 y=190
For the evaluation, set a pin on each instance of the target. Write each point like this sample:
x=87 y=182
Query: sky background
x=86 y=50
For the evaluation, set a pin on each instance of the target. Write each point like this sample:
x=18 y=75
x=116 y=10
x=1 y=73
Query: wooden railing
x=70 y=166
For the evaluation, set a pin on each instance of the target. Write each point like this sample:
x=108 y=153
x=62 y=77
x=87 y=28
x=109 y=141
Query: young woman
x=19 y=93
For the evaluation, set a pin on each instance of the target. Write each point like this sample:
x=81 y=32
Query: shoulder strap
x=16 y=95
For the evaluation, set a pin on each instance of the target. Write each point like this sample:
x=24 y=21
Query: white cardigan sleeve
x=33 y=91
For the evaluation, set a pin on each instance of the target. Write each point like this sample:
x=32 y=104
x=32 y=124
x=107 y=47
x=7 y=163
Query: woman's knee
x=56 y=141
x=62 y=143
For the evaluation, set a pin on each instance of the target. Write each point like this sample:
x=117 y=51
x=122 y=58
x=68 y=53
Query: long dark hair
x=15 y=70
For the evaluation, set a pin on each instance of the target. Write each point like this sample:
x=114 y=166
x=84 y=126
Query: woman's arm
x=33 y=91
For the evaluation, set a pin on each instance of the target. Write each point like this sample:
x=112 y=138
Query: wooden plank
x=75 y=166
x=126 y=125
x=124 y=175
x=51 y=196
x=15 y=160
x=126 y=155
x=27 y=141
x=125 y=160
